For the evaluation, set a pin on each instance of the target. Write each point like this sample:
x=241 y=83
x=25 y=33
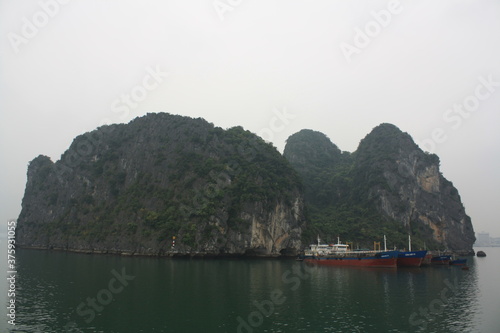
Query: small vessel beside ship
x=441 y=259
x=458 y=262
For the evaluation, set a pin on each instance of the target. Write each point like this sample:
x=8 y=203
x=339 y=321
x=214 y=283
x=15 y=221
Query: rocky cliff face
x=133 y=188
x=412 y=190
x=388 y=186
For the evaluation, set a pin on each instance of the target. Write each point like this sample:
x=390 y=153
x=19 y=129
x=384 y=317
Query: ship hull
x=458 y=262
x=411 y=258
x=441 y=260
x=427 y=260
x=382 y=259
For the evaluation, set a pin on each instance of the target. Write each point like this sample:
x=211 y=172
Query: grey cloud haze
x=430 y=68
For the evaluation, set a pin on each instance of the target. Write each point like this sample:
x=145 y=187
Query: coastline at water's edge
x=196 y=255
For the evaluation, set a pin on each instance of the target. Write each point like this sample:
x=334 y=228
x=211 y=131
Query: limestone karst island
x=167 y=185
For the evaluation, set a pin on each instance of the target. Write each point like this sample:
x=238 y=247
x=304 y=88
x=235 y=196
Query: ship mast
x=385 y=244
x=409 y=224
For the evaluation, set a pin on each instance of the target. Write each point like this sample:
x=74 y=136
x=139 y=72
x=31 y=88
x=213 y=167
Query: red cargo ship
x=411 y=258
x=340 y=255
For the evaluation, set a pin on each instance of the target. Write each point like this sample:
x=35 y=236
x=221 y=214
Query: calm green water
x=66 y=292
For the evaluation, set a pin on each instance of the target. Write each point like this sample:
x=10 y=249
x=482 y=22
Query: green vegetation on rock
x=132 y=188
x=388 y=186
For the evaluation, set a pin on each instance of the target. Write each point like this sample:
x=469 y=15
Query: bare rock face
x=164 y=185
x=413 y=190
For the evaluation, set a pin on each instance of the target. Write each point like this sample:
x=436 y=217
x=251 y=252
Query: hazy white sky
x=274 y=67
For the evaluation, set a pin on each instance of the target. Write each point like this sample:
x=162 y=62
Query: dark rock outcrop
x=481 y=254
